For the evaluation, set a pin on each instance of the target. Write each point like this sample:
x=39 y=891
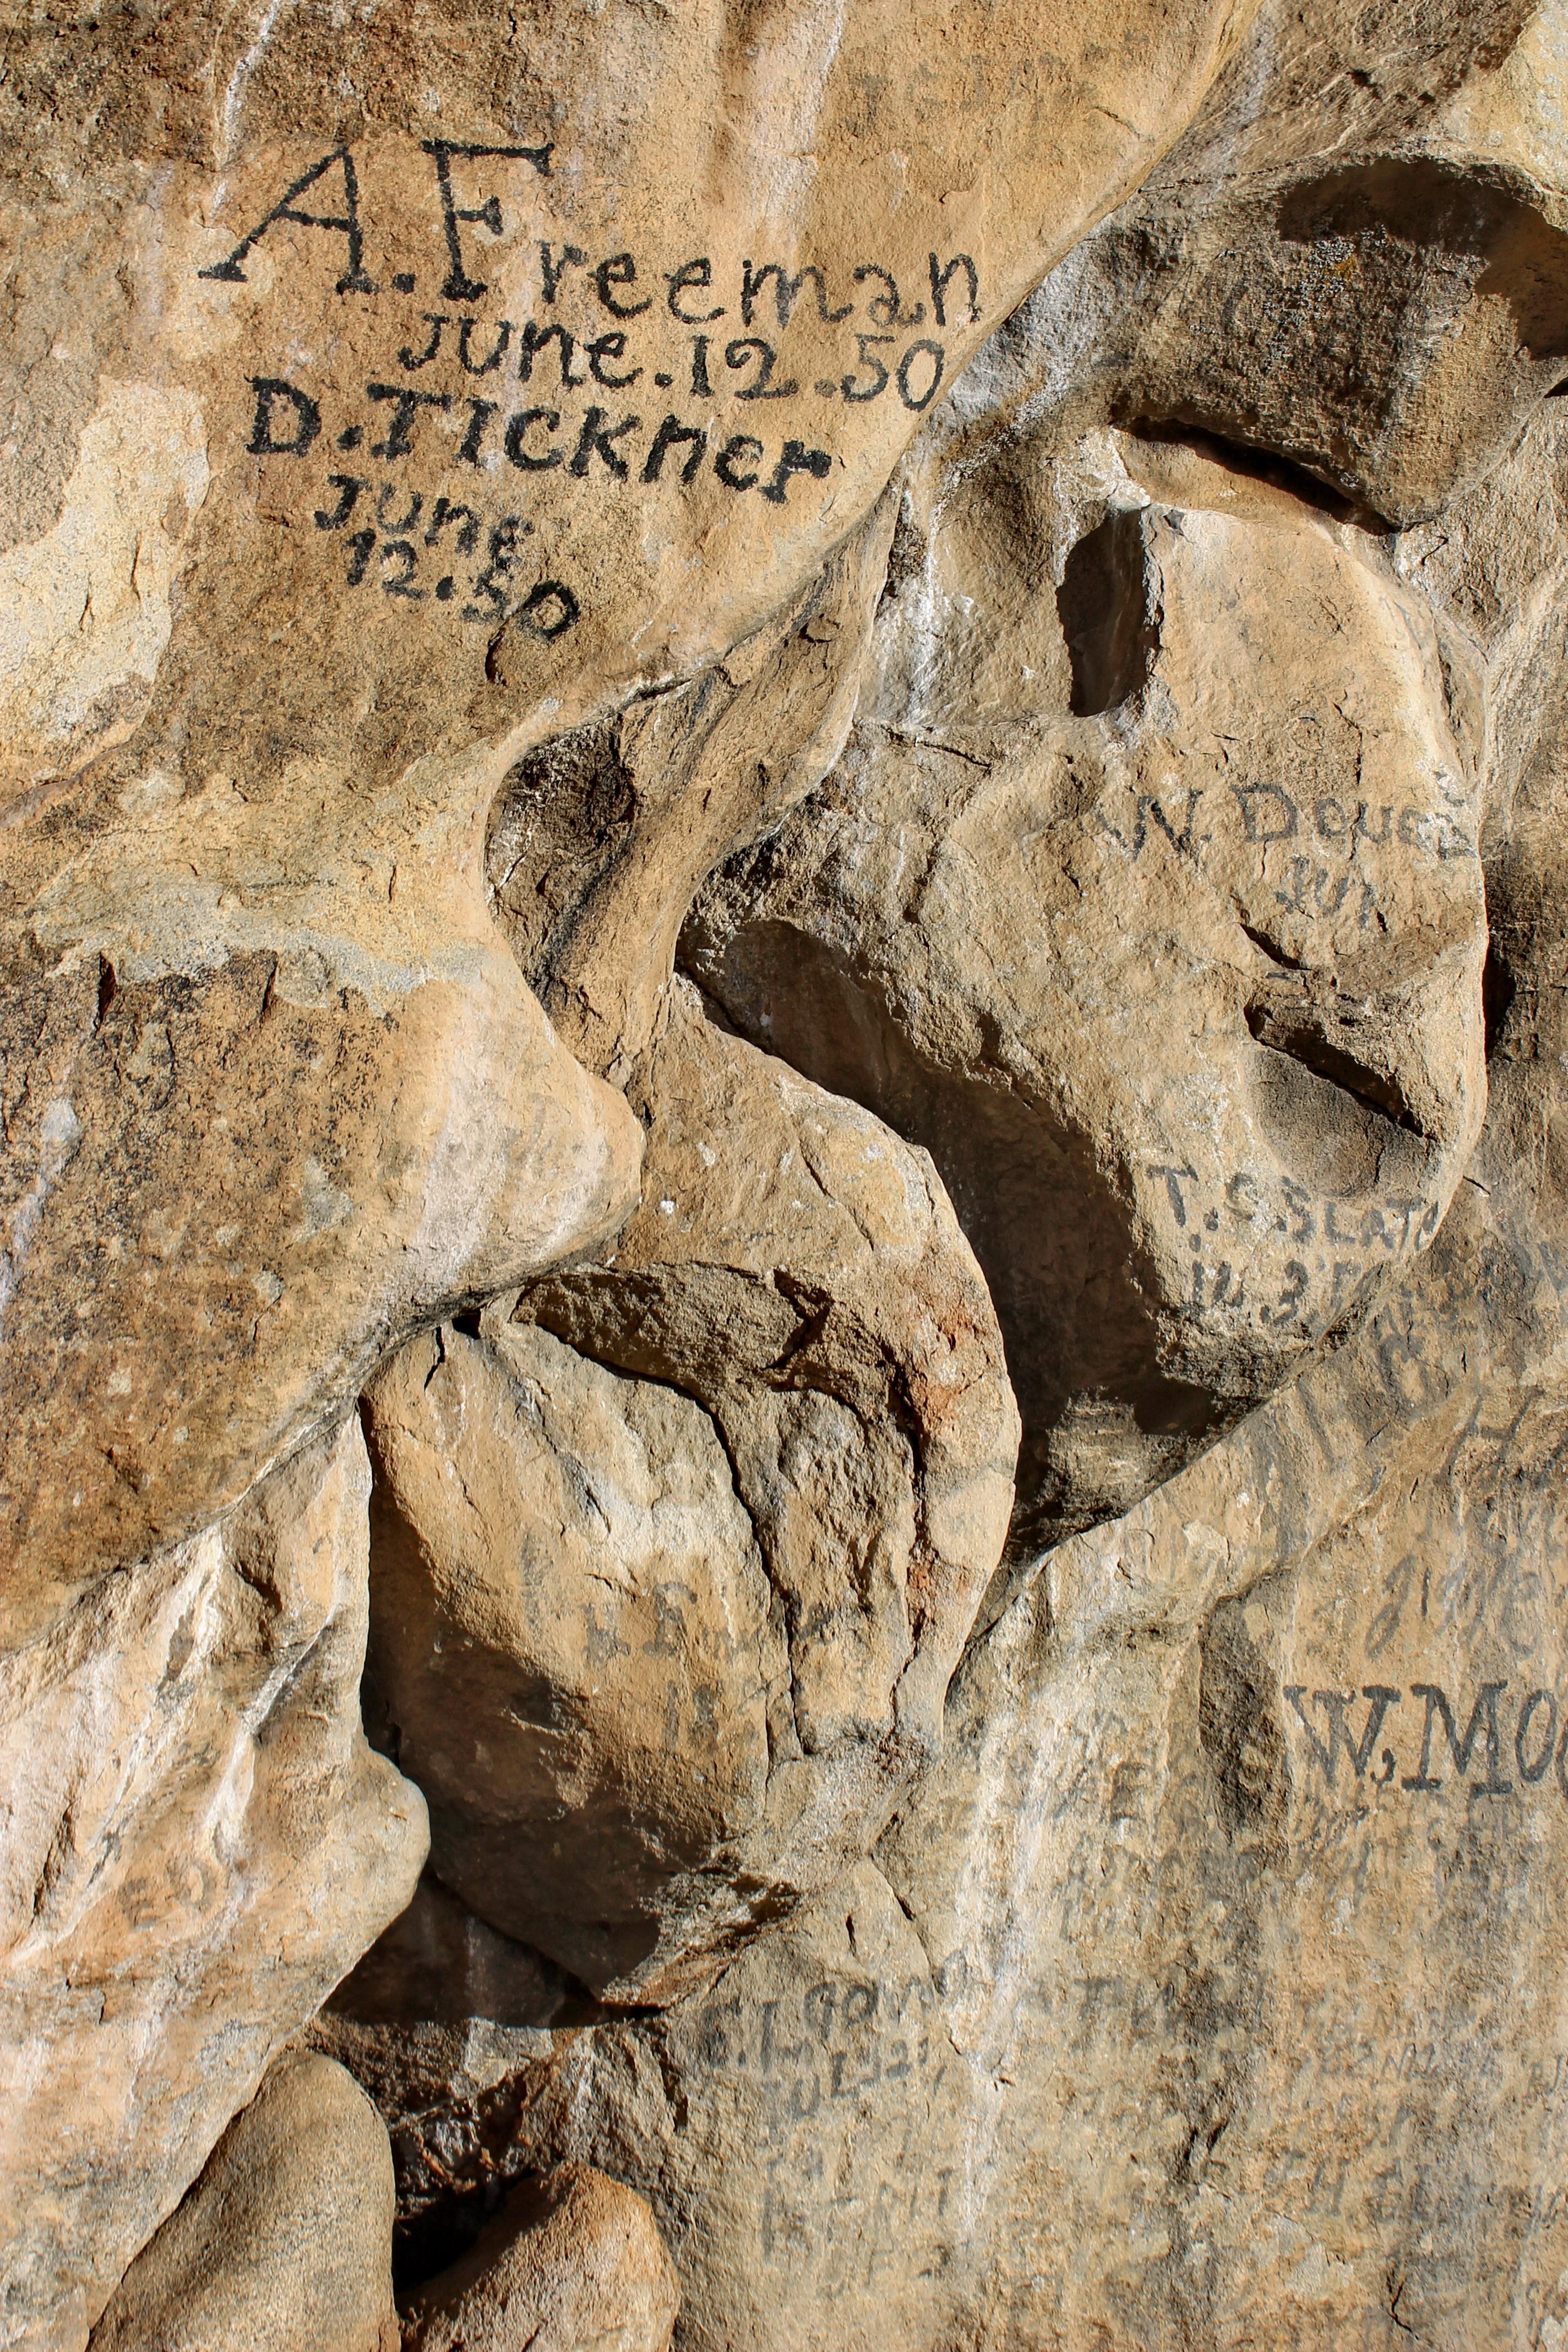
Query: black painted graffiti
x=748 y=366
x=1270 y=817
x=349 y=224
x=346 y=224
x=950 y=283
x=848 y=2036
x=1324 y=1721
x=1393 y=1227
x=287 y=422
x=570 y=391
x=408 y=546
x=1297 y=1214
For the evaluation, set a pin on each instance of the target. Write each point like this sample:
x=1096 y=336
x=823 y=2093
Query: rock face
x=598 y=841
x=783 y=1220
x=198 y=1844
x=1248 y=1815
x=1011 y=879
x=674 y=1561
x=253 y=749
x=572 y=2260
x=436 y=1138
x=284 y=2243
x=1354 y=259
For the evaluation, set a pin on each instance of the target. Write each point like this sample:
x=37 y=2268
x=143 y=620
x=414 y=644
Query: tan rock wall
x=781 y=813
x=199 y=1845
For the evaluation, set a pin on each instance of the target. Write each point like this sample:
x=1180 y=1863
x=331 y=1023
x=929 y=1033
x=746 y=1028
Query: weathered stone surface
x=1205 y=1990
x=285 y=2243
x=1353 y=260
x=197 y=1844
x=572 y=2260
x=293 y=1133
x=1142 y=2026
x=599 y=841
x=672 y=1566
x=1063 y=827
x=654 y=146
x=603 y=518
x=270 y=1076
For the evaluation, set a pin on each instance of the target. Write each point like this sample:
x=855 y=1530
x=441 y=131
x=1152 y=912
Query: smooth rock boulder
x=198 y=1844
x=573 y=1650
x=284 y=2245
x=574 y=2262
x=815 y=1293
x=672 y=1564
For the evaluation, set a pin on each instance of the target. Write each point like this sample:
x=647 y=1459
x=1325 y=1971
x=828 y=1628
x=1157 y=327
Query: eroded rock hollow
x=783 y=1238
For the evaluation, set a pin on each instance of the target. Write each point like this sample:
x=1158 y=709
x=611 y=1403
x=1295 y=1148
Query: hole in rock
x=442 y=2022
x=560 y=821
x=1498 y=990
x=439 y=1964
x=1270 y=947
x=1107 y=615
x=1239 y=1730
x=426 y=2243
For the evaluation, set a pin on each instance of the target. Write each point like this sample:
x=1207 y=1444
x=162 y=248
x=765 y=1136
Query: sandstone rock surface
x=376 y=427
x=598 y=842
x=572 y=2261
x=673 y=1563
x=1150 y=1921
x=285 y=2243
x=198 y=1844
x=1204 y=1989
x=786 y=783
x=1061 y=826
